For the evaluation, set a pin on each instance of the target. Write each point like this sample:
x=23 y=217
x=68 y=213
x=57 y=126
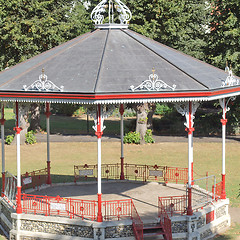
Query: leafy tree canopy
x=29 y=27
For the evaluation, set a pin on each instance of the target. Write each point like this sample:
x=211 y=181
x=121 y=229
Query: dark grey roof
x=109 y=61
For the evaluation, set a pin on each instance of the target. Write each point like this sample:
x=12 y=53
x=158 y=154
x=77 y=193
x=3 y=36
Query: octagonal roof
x=115 y=65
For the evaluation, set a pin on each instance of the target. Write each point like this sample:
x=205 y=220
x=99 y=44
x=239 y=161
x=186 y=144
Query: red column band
x=223 y=193
x=99 y=215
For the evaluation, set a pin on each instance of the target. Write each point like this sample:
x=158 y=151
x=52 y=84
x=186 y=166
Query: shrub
x=9 y=139
x=148 y=137
x=162 y=109
x=30 y=137
x=132 y=137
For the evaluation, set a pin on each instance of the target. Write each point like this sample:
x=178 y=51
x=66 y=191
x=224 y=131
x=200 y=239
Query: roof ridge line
x=50 y=57
x=160 y=55
x=101 y=61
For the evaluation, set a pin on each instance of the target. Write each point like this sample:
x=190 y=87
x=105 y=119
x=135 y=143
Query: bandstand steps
x=153 y=232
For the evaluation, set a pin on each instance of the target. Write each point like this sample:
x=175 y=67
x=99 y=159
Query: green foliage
x=28 y=28
x=64 y=109
x=177 y=23
x=30 y=137
x=162 y=109
x=132 y=137
x=9 y=139
x=224 y=38
x=148 y=137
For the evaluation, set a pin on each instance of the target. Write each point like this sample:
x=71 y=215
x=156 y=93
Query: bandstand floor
x=144 y=195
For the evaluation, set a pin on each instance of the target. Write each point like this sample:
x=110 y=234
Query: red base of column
x=99 y=215
x=192 y=174
x=189 y=208
x=122 y=177
x=223 y=194
x=3 y=184
x=49 y=180
x=18 y=201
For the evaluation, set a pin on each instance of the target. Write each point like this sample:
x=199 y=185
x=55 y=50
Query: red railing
x=68 y=207
x=84 y=209
x=165 y=221
x=34 y=179
x=117 y=209
x=218 y=190
x=177 y=175
x=174 y=204
x=137 y=223
x=135 y=172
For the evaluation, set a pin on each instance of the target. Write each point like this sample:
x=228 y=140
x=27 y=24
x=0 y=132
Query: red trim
x=192 y=173
x=99 y=132
x=48 y=113
x=189 y=208
x=99 y=215
x=49 y=181
x=2 y=119
x=224 y=121
x=18 y=201
x=190 y=130
x=3 y=184
x=121 y=109
x=17 y=130
x=122 y=177
x=118 y=96
x=223 y=193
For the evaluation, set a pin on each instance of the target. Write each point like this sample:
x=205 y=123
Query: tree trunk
x=35 y=117
x=141 y=124
x=152 y=108
x=23 y=114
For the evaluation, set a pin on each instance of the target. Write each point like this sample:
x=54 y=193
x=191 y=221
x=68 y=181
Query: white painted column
x=48 y=114
x=18 y=130
x=99 y=132
x=3 y=149
x=121 y=110
x=223 y=104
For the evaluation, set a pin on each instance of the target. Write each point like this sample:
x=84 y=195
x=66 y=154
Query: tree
x=28 y=28
x=181 y=24
x=224 y=38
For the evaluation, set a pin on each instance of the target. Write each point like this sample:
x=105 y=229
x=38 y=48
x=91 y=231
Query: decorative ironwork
x=43 y=84
x=224 y=105
x=153 y=84
x=230 y=80
x=183 y=108
x=106 y=111
x=108 y=6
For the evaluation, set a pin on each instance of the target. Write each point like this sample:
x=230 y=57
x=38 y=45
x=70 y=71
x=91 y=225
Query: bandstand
x=106 y=69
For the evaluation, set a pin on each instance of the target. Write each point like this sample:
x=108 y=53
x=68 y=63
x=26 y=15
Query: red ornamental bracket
x=2 y=120
x=224 y=121
x=190 y=130
x=17 y=130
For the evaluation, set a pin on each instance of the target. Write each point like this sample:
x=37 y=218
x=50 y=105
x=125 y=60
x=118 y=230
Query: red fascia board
x=117 y=96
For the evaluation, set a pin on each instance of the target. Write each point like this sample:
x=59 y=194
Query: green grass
x=207 y=157
x=232 y=234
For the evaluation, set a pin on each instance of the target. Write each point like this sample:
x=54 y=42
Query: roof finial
x=113 y=10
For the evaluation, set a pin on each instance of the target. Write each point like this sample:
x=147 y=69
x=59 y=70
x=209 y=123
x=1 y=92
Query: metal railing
x=58 y=206
x=174 y=204
x=117 y=209
x=217 y=189
x=34 y=179
x=135 y=172
x=137 y=223
x=203 y=191
x=165 y=221
x=10 y=189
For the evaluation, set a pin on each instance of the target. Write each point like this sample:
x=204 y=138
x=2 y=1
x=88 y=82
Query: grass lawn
x=207 y=156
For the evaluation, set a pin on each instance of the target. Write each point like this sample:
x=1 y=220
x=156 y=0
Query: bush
x=132 y=137
x=9 y=139
x=148 y=137
x=30 y=137
x=162 y=109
